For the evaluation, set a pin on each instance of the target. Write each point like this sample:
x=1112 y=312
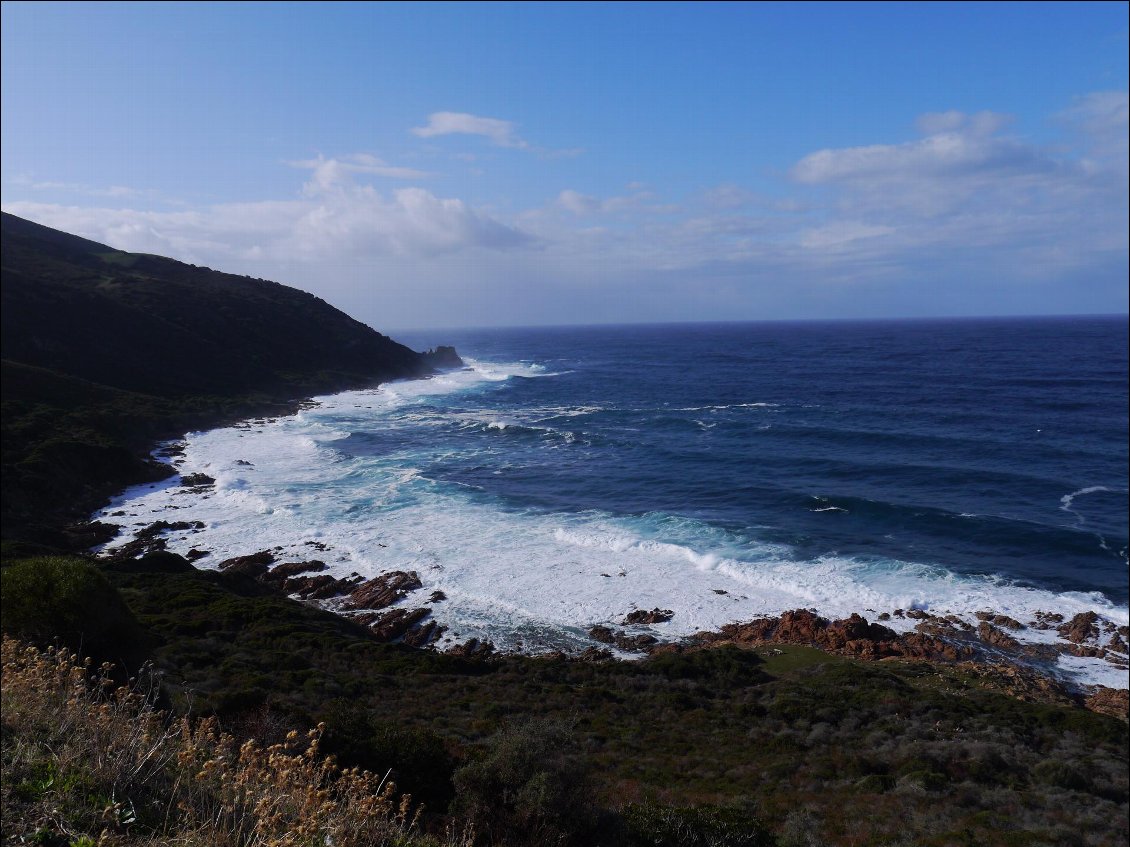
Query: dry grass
x=88 y=763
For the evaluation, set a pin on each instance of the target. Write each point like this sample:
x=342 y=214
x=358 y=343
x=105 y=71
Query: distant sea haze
x=721 y=471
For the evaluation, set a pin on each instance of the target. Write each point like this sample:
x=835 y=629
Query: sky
x=442 y=165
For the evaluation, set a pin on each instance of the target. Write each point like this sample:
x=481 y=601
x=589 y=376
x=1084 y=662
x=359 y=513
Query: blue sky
x=504 y=164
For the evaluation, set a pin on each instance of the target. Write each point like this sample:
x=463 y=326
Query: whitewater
x=545 y=494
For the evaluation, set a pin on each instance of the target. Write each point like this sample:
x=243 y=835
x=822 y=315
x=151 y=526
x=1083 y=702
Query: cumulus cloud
x=335 y=219
x=970 y=207
x=964 y=211
x=956 y=145
x=498 y=131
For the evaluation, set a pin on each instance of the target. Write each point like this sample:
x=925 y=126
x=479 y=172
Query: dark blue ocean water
x=986 y=447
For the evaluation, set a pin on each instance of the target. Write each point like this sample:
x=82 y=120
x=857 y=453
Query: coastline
x=392 y=606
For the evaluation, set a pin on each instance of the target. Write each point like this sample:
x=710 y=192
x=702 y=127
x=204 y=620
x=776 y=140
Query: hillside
x=105 y=351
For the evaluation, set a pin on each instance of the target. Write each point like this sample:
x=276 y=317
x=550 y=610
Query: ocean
x=720 y=471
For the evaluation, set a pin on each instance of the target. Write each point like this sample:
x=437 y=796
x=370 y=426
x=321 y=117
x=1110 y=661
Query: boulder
x=1046 y=620
x=630 y=643
x=1083 y=627
x=320 y=587
x=1109 y=701
x=996 y=637
x=425 y=635
x=640 y=616
x=473 y=649
x=149 y=540
x=635 y=643
x=384 y=590
x=254 y=566
x=1000 y=620
x=280 y=573
x=396 y=622
x=595 y=654
x=603 y=634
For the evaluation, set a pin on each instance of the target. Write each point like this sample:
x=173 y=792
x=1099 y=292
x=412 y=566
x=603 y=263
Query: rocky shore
x=394 y=607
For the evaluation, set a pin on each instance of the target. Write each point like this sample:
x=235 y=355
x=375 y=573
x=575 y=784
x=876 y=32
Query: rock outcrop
x=852 y=636
x=442 y=358
x=629 y=643
x=149 y=540
x=382 y=591
x=641 y=616
x=1109 y=701
x=255 y=565
x=472 y=648
x=1080 y=629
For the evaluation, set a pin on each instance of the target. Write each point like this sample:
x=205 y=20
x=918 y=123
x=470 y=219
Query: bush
x=528 y=787
x=67 y=598
x=724 y=667
x=647 y=825
x=1061 y=774
x=415 y=759
x=82 y=761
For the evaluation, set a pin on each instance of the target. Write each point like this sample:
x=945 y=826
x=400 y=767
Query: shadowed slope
x=106 y=351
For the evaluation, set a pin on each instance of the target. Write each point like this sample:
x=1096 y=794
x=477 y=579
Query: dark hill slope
x=154 y=325
x=106 y=351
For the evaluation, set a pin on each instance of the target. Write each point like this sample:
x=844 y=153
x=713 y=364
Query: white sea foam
x=719 y=408
x=1067 y=501
x=524 y=579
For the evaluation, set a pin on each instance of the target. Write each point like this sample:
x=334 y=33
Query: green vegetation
x=68 y=599
x=86 y=763
x=706 y=747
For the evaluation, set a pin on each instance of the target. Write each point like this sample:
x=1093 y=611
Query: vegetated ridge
x=105 y=351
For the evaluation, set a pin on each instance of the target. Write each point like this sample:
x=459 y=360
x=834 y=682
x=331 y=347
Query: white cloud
x=957 y=145
x=841 y=233
x=728 y=196
x=338 y=220
x=960 y=214
x=978 y=124
x=27 y=182
x=498 y=131
x=329 y=174
x=640 y=200
x=1103 y=118
x=577 y=203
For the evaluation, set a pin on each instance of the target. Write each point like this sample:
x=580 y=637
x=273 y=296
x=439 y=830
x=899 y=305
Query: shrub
x=647 y=825
x=528 y=786
x=80 y=760
x=1061 y=774
x=724 y=667
x=415 y=759
x=67 y=598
